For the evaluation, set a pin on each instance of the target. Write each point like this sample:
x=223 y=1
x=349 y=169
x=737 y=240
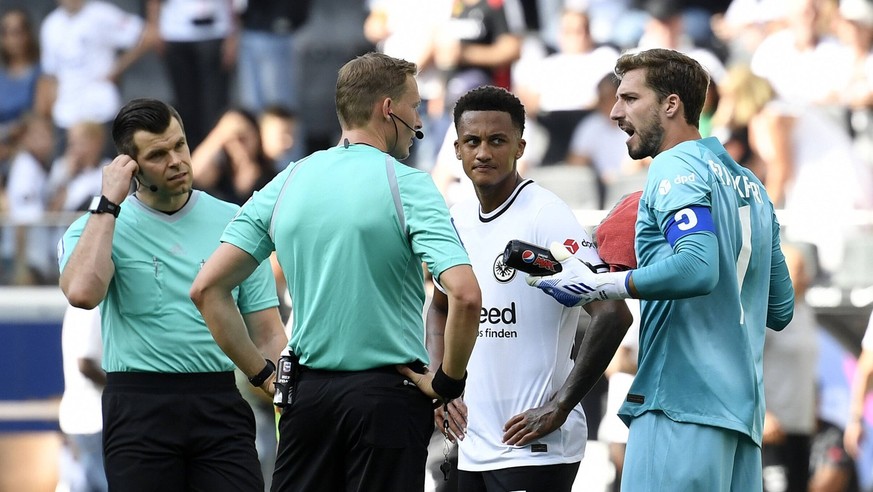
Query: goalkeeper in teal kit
x=711 y=278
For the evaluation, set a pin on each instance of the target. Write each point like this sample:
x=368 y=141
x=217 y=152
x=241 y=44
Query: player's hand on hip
x=576 y=284
x=532 y=424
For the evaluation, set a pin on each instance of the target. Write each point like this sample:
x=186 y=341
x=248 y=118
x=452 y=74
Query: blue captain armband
x=688 y=221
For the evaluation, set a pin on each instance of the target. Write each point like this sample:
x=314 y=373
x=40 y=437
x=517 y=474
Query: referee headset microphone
x=151 y=187
x=418 y=133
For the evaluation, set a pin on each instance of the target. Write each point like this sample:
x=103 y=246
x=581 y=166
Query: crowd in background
x=791 y=98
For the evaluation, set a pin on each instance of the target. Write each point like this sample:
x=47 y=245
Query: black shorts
x=546 y=478
x=354 y=431
x=178 y=432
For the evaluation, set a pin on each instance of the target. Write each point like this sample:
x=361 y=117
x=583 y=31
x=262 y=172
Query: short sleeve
x=250 y=229
x=433 y=237
x=69 y=240
x=258 y=292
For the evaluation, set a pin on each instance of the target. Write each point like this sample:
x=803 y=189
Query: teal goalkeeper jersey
x=351 y=227
x=700 y=358
x=149 y=322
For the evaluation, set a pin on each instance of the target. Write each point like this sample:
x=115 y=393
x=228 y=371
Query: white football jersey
x=522 y=355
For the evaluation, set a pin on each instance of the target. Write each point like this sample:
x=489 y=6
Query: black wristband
x=258 y=379
x=446 y=387
x=101 y=205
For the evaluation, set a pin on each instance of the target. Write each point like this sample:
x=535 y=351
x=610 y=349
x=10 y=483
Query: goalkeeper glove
x=576 y=284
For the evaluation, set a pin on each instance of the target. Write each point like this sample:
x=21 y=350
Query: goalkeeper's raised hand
x=576 y=284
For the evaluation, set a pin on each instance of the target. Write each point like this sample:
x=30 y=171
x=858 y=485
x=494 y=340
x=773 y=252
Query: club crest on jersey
x=504 y=273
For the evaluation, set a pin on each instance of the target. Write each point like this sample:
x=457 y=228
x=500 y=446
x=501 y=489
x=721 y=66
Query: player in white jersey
x=520 y=423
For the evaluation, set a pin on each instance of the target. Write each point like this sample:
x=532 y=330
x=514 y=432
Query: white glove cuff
x=613 y=285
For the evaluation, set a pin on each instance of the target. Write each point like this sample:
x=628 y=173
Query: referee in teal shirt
x=351 y=227
x=173 y=417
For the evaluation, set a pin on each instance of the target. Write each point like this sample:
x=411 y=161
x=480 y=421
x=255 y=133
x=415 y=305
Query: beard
x=649 y=140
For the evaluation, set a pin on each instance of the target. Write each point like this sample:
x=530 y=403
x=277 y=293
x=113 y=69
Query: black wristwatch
x=102 y=205
x=258 y=379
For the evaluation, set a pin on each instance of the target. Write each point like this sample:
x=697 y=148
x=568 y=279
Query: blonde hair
x=364 y=81
x=747 y=94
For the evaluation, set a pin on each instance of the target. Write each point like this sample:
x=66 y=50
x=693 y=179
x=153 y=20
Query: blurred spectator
x=80 y=415
x=80 y=40
x=605 y=20
x=742 y=96
x=812 y=171
x=666 y=28
x=831 y=468
x=790 y=361
x=27 y=254
x=320 y=56
x=694 y=15
x=746 y=23
x=278 y=127
x=476 y=47
x=697 y=18
x=76 y=176
x=230 y=163
x=599 y=143
x=798 y=60
x=854 y=26
x=542 y=19
x=561 y=88
x=199 y=49
x=567 y=80
x=862 y=383
x=266 y=73
x=19 y=73
x=407 y=29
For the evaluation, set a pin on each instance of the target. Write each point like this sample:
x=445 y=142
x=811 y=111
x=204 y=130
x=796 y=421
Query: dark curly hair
x=491 y=98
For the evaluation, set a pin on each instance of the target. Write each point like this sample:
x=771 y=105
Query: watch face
x=94 y=203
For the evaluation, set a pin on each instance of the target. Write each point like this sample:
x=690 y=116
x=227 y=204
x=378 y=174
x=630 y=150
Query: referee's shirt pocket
x=140 y=286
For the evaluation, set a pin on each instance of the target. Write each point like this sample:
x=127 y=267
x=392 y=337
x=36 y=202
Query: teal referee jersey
x=700 y=358
x=149 y=321
x=351 y=228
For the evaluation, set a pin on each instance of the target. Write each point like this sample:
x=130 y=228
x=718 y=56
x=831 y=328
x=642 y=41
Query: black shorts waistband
x=165 y=382
x=323 y=373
